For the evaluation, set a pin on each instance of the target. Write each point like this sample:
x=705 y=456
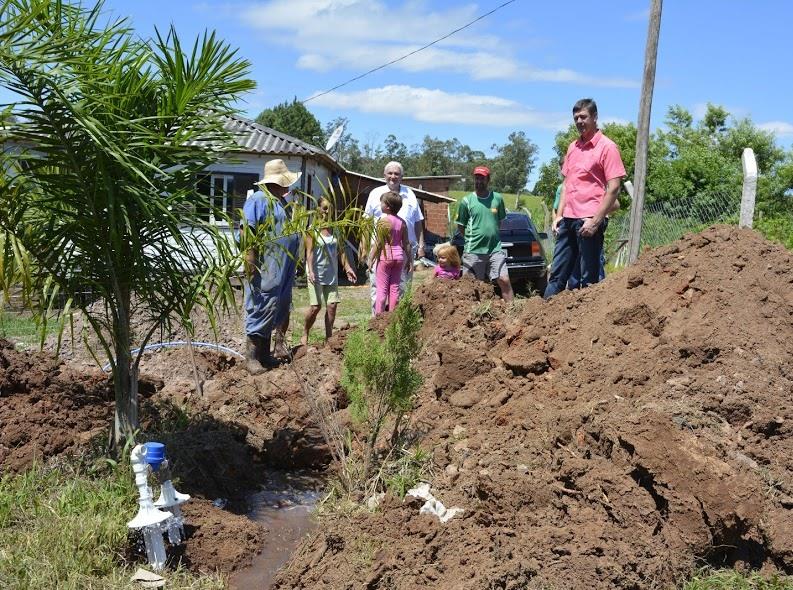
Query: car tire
x=539 y=284
x=520 y=287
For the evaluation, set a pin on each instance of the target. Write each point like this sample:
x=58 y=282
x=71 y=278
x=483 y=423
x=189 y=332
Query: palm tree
x=109 y=132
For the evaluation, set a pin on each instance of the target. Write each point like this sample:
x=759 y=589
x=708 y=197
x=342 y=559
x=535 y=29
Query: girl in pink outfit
x=391 y=252
x=449 y=265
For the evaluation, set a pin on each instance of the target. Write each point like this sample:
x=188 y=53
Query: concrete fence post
x=749 y=163
x=628 y=188
x=623 y=255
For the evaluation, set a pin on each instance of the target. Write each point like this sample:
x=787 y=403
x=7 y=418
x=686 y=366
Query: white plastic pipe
x=149 y=517
x=180 y=343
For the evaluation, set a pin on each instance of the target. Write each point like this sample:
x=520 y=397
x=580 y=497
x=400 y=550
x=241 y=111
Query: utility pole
x=643 y=133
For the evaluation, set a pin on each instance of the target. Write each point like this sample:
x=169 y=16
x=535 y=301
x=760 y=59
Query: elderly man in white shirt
x=410 y=213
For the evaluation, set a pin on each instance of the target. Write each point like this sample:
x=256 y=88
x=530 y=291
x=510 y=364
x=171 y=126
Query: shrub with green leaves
x=379 y=377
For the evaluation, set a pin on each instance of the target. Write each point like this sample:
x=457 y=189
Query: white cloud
x=639 y=15
x=358 y=35
x=616 y=120
x=355 y=21
x=438 y=106
x=778 y=127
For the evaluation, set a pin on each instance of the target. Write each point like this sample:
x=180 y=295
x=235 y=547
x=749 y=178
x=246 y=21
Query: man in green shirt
x=479 y=216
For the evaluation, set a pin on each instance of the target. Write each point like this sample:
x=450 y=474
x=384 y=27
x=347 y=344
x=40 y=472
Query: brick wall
x=436 y=218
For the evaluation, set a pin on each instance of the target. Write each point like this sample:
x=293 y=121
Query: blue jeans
x=575 y=279
x=573 y=250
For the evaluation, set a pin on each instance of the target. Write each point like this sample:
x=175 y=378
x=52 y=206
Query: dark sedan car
x=525 y=254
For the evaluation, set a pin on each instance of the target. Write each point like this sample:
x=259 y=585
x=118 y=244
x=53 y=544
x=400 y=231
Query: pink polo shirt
x=588 y=166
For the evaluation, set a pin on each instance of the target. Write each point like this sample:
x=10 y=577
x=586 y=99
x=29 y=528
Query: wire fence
x=669 y=220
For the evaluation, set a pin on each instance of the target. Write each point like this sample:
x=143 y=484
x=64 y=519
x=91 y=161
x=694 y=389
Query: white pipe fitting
x=170 y=500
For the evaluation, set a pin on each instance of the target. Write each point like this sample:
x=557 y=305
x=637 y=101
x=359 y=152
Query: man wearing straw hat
x=271 y=272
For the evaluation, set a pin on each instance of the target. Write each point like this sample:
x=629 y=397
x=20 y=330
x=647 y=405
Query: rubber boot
x=253 y=349
x=280 y=351
x=263 y=353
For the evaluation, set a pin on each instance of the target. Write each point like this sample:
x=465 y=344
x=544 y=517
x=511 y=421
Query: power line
x=393 y=61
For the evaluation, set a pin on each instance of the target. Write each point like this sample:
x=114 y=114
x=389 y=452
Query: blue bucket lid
x=155 y=454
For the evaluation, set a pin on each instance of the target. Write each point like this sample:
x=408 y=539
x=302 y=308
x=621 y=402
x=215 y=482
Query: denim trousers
x=571 y=250
x=575 y=279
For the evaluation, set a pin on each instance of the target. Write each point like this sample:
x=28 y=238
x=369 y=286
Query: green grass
x=66 y=529
x=733 y=580
x=355 y=308
x=411 y=467
x=20 y=327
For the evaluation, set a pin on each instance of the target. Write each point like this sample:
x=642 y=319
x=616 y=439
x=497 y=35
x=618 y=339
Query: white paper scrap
x=432 y=504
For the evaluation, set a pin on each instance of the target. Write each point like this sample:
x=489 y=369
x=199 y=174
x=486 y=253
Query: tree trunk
x=125 y=378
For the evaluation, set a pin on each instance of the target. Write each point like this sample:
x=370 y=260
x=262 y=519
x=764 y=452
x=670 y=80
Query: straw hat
x=276 y=172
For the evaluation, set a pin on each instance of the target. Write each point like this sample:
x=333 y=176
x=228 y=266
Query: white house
x=227 y=183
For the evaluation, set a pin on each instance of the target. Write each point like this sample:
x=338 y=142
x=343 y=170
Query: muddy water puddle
x=284 y=507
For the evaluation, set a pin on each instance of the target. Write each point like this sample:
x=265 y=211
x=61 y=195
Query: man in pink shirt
x=592 y=173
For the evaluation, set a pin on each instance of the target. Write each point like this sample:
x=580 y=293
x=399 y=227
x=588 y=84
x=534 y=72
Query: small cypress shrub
x=379 y=377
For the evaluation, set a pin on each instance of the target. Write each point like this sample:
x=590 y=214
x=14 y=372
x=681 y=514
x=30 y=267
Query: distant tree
x=293 y=119
x=393 y=149
x=687 y=160
x=715 y=119
x=434 y=158
x=513 y=163
x=744 y=134
x=549 y=179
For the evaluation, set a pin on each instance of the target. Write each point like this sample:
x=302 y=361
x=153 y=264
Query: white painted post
x=628 y=188
x=623 y=254
x=749 y=163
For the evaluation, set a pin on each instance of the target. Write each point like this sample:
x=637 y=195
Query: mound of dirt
x=615 y=437
x=217 y=540
x=47 y=409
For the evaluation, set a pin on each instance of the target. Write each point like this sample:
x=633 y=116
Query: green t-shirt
x=481 y=219
x=558 y=197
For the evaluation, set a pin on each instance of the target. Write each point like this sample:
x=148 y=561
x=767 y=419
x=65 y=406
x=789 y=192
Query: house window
x=225 y=194
x=221 y=197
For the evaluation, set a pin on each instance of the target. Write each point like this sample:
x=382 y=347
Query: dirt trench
x=223 y=444
x=615 y=437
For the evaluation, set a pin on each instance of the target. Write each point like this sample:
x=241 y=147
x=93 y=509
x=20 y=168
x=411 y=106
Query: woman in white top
x=322 y=268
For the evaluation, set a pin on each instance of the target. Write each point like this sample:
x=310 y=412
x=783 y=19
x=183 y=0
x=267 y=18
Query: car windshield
x=515 y=223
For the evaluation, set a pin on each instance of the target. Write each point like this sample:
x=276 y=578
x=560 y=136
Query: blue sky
x=521 y=68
